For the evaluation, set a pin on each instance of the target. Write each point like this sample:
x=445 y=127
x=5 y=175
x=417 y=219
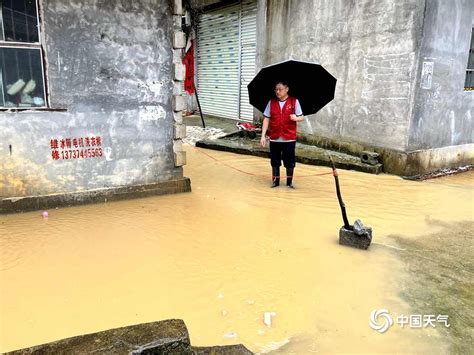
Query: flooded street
x=222 y=255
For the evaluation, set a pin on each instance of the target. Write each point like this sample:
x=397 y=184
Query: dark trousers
x=282 y=150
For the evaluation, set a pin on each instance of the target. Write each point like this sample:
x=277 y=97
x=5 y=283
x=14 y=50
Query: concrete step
x=305 y=154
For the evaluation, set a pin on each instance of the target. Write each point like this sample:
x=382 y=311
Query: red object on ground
x=188 y=62
x=245 y=126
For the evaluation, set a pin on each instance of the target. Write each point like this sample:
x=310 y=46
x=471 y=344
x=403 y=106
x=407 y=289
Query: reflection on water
x=221 y=256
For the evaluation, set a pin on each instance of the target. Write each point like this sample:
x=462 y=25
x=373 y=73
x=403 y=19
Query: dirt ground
x=441 y=269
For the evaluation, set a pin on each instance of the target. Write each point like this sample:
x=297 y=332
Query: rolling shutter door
x=226 y=61
x=248 y=55
x=218 y=62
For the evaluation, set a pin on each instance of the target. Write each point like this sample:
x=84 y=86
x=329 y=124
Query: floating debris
x=267 y=318
x=230 y=335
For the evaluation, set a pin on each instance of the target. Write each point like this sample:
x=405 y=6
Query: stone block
x=360 y=240
x=179 y=104
x=179 y=71
x=177 y=55
x=177 y=22
x=178 y=116
x=177 y=88
x=179 y=131
x=177 y=7
x=177 y=145
x=180 y=158
x=164 y=337
x=179 y=40
x=371 y=158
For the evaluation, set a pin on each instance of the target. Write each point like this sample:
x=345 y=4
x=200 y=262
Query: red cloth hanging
x=188 y=62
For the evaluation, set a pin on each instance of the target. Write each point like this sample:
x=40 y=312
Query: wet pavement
x=222 y=134
x=242 y=263
x=304 y=153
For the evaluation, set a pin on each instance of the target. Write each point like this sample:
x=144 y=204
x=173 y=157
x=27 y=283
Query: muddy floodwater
x=231 y=250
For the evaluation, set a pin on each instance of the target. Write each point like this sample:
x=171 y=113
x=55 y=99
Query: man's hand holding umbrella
x=295 y=118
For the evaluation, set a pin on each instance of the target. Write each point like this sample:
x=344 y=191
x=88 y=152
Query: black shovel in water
x=357 y=235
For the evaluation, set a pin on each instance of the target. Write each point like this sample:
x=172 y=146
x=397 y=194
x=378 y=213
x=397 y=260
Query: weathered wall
x=443 y=110
x=370 y=46
x=110 y=67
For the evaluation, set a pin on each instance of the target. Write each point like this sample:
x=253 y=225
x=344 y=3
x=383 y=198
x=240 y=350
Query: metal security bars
x=21 y=57
x=469 y=84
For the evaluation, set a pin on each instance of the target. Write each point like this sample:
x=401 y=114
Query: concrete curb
x=305 y=154
x=44 y=202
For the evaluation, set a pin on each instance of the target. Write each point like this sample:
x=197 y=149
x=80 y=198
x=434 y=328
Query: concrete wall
x=110 y=66
x=370 y=46
x=443 y=110
x=381 y=52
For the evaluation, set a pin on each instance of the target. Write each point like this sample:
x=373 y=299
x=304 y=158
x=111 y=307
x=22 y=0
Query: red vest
x=280 y=123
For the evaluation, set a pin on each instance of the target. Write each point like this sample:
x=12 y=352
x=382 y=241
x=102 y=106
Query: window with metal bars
x=469 y=85
x=21 y=55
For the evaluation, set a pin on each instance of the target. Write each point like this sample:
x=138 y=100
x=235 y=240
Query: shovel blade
x=351 y=239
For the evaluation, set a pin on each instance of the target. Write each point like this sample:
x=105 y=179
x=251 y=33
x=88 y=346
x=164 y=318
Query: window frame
x=27 y=45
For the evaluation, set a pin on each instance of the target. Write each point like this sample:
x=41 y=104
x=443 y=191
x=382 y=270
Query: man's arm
x=263 y=140
x=266 y=122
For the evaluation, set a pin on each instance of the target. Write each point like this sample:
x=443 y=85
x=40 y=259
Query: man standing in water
x=281 y=115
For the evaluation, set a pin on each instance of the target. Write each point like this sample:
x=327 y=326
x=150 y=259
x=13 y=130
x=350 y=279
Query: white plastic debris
x=196 y=133
x=224 y=312
x=250 y=301
x=267 y=318
x=220 y=296
x=230 y=335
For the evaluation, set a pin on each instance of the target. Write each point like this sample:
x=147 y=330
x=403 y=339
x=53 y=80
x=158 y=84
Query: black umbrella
x=309 y=82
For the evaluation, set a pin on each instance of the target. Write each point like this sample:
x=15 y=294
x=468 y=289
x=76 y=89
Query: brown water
x=221 y=256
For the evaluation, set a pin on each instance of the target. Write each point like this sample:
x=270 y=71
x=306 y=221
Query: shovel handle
x=339 y=197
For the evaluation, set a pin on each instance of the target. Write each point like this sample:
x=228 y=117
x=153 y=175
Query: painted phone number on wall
x=77 y=154
x=76 y=148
